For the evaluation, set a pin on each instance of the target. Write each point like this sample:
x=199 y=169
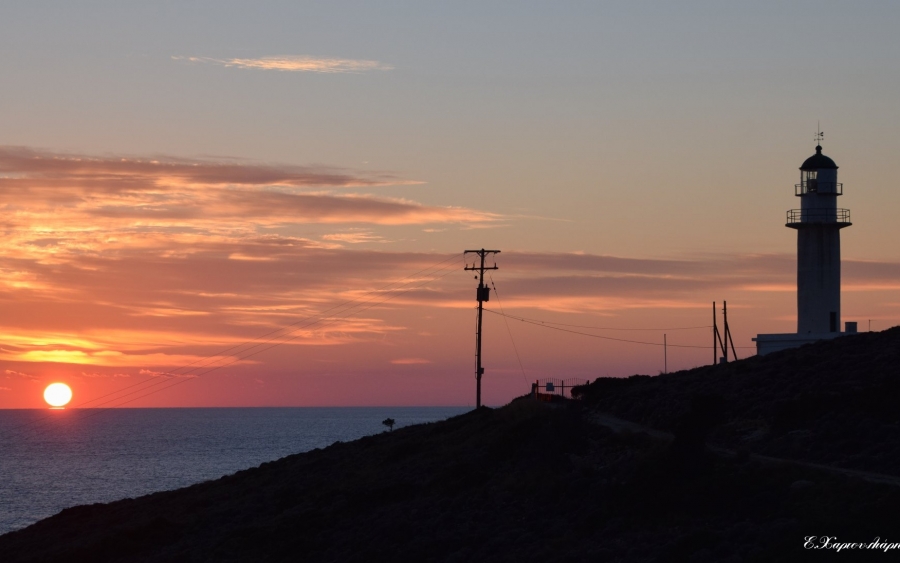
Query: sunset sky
x=184 y=184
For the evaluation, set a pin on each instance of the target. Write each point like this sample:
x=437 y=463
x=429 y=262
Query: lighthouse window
x=809 y=181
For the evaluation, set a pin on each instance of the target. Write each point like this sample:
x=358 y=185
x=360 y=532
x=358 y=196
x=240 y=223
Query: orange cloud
x=10 y=372
x=354 y=237
x=108 y=358
x=95 y=374
x=153 y=373
x=57 y=206
x=296 y=63
x=51 y=197
x=26 y=168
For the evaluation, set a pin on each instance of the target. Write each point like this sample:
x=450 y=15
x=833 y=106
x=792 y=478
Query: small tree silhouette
x=389 y=422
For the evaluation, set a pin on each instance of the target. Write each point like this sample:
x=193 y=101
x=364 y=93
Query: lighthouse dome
x=818 y=161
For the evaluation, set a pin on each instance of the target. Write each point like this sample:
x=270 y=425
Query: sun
x=58 y=394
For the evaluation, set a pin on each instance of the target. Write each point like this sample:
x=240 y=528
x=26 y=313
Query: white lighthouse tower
x=818 y=223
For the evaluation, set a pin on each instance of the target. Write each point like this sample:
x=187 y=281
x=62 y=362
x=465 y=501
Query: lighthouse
x=818 y=223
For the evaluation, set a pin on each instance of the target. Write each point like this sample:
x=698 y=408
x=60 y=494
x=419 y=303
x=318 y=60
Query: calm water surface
x=50 y=460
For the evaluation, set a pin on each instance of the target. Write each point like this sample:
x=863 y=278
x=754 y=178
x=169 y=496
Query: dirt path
x=619 y=425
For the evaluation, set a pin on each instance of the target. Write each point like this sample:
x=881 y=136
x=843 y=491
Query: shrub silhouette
x=389 y=422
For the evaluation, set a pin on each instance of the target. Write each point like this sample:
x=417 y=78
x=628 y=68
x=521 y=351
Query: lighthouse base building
x=768 y=343
x=818 y=223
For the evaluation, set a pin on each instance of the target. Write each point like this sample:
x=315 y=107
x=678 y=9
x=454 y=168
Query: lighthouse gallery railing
x=816 y=216
x=813 y=186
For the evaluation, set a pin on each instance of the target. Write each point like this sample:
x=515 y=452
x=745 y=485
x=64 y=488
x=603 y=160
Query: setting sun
x=58 y=394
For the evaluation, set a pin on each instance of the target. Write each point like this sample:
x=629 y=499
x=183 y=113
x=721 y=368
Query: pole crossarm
x=482 y=254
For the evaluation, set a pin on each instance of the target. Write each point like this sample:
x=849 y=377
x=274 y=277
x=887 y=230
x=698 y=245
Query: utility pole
x=727 y=337
x=721 y=340
x=483 y=294
x=717 y=339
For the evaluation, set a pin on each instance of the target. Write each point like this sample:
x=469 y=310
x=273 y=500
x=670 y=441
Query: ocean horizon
x=55 y=459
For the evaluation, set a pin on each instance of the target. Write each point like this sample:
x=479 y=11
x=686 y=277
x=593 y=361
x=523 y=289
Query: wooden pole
x=725 y=318
x=728 y=338
x=482 y=296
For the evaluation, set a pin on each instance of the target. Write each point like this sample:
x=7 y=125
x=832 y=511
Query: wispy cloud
x=56 y=204
x=23 y=168
x=153 y=373
x=158 y=262
x=104 y=375
x=22 y=374
x=111 y=358
x=296 y=63
x=354 y=237
x=410 y=361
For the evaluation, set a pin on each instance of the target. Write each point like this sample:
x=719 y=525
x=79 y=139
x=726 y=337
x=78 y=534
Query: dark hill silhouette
x=542 y=482
x=833 y=402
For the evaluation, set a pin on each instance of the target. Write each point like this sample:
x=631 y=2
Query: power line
x=511 y=339
x=606 y=327
x=547 y=325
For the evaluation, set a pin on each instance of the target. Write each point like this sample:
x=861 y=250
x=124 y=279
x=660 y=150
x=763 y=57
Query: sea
x=55 y=459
